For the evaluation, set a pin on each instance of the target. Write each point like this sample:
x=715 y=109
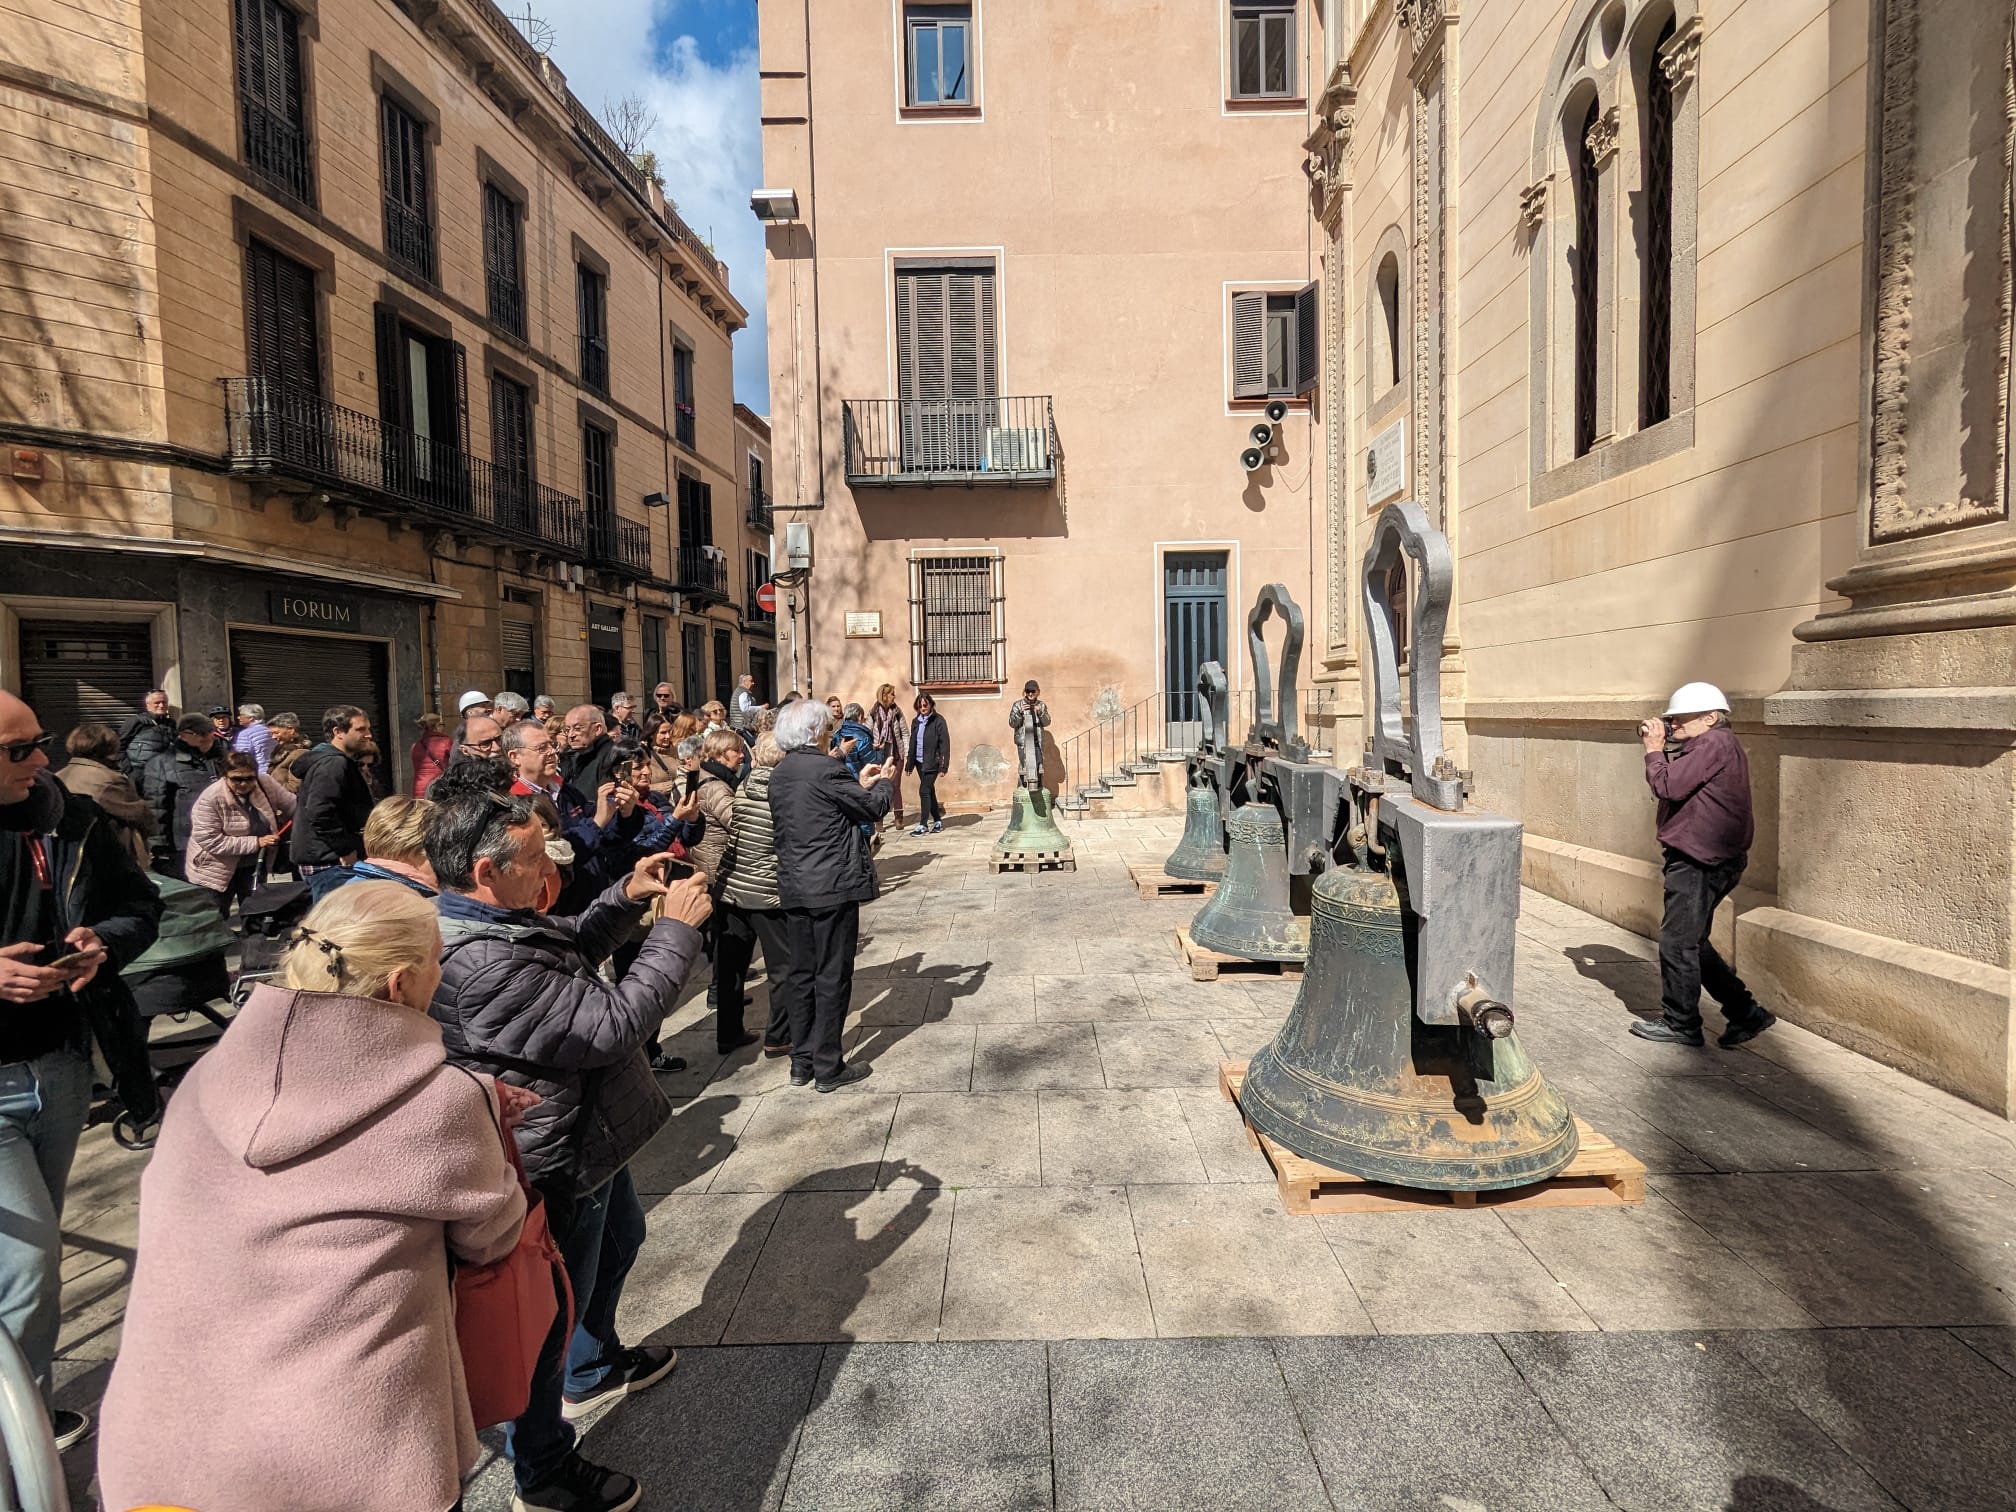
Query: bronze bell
x=1356 y=1081
x=1249 y=915
x=1032 y=828
x=1200 y=855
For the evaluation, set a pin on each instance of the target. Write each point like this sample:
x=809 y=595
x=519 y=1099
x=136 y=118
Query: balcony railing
x=620 y=545
x=507 y=303
x=703 y=574
x=1003 y=442
x=685 y=426
x=277 y=150
x=409 y=239
x=761 y=517
x=282 y=430
x=595 y=363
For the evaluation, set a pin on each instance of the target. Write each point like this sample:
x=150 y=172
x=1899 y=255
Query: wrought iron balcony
x=619 y=545
x=703 y=573
x=409 y=239
x=277 y=150
x=280 y=430
x=595 y=363
x=507 y=303
x=761 y=518
x=1000 y=442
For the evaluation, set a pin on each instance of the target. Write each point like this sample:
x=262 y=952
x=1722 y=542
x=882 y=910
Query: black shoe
x=801 y=1078
x=663 y=1062
x=68 y=1427
x=730 y=1046
x=859 y=1071
x=1748 y=1029
x=1662 y=1033
x=636 y=1368
x=775 y=1050
x=578 y=1486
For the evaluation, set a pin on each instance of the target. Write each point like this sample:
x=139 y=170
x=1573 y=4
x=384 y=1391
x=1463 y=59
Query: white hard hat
x=470 y=699
x=1696 y=698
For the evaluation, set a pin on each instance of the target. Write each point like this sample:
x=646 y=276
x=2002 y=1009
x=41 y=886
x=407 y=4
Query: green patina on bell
x=1032 y=828
x=1249 y=915
x=1355 y=1081
x=1200 y=855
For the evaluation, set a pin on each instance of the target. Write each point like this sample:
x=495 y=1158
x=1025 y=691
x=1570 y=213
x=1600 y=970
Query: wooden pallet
x=1152 y=882
x=1205 y=964
x=1602 y=1174
x=1033 y=861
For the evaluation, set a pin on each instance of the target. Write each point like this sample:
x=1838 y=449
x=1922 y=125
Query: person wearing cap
x=1029 y=717
x=474 y=702
x=222 y=723
x=1698 y=772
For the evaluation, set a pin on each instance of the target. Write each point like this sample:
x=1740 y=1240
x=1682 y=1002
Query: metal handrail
x=1006 y=439
x=31 y=1471
x=276 y=148
x=761 y=515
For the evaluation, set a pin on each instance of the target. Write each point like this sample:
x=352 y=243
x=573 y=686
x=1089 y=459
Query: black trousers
x=929 y=809
x=1687 y=961
x=818 y=983
x=739 y=932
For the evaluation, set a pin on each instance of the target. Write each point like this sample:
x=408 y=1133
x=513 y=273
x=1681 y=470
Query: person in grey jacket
x=751 y=909
x=1029 y=718
x=521 y=999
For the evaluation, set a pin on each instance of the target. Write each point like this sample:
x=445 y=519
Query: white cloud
x=708 y=141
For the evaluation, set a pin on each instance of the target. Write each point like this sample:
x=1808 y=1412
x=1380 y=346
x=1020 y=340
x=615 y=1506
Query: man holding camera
x=1029 y=717
x=1698 y=772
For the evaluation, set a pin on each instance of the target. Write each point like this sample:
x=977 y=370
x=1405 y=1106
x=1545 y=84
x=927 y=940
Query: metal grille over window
x=956 y=620
x=1263 y=49
x=409 y=220
x=503 y=267
x=1656 y=383
x=940 y=54
x=591 y=298
x=1585 y=265
x=685 y=423
x=269 y=96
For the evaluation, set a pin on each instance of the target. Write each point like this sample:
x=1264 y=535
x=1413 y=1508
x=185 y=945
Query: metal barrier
x=31 y=1471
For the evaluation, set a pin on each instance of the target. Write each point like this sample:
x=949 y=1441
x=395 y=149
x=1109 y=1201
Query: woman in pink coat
x=233 y=826
x=430 y=753
x=290 y=1337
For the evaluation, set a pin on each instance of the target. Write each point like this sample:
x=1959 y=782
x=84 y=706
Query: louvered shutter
x=391 y=409
x=262 y=312
x=1249 y=346
x=305 y=674
x=1308 y=339
x=460 y=368
x=73 y=671
x=704 y=503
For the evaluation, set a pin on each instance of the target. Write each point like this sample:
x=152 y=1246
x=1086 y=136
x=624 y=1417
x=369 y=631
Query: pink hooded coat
x=290 y=1339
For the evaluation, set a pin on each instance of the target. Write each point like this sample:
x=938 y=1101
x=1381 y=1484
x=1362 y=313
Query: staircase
x=1126 y=763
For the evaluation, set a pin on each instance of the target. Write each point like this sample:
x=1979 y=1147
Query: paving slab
x=1672 y=1421
x=1026 y=1057
x=1220 y=1136
x=885 y=1000
x=693 y=1145
x=1044 y=1263
x=1167 y=1423
x=1380 y=1415
x=1088 y=997
x=1096 y=1138
x=1968 y=1216
x=1735 y=1128
x=952 y=1139
x=1229 y=1261
x=698 y=1251
x=954 y=1425
x=1244 y=1038
x=799 y=1138
x=1159 y=1054
x=984 y=998
x=1447 y=1271
x=914 y=1057
x=848 y=1265
x=1901 y=1130
x=1996 y=1345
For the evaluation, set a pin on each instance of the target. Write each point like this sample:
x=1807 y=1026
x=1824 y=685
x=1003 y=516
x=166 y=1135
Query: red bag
x=505 y=1311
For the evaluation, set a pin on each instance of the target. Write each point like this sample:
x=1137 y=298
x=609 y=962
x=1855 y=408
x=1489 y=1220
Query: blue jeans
x=599 y=1246
x=43 y=1104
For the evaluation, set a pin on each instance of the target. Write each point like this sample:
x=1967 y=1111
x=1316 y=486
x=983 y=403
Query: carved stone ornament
x=1602 y=138
x=1533 y=203
x=1680 y=57
x=1328 y=148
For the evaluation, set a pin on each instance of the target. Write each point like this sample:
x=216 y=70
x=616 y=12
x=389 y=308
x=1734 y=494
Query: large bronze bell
x=1249 y=915
x=1032 y=829
x=1200 y=855
x=1356 y=1081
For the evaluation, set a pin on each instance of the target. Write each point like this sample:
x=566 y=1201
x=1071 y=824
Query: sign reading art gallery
x=286 y=607
x=1386 y=464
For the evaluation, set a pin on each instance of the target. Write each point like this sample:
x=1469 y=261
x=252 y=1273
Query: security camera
x=1253 y=459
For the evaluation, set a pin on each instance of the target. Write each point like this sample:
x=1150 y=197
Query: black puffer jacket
x=331 y=804
x=520 y=998
x=171 y=784
x=817 y=808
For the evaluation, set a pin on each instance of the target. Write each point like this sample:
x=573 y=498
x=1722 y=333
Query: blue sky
x=694 y=63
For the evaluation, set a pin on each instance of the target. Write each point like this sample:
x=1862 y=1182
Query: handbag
x=505 y=1311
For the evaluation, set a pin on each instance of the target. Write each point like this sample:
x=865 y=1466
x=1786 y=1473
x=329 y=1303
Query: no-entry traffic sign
x=766 y=598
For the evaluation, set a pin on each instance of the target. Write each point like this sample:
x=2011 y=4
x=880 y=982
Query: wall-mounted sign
x=864 y=624
x=605 y=627
x=1386 y=464
x=285 y=607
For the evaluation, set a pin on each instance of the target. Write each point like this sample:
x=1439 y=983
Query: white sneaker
x=920 y=830
x=938 y=828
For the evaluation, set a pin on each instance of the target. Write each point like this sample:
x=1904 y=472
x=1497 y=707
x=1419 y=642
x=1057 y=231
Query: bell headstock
x=1412 y=748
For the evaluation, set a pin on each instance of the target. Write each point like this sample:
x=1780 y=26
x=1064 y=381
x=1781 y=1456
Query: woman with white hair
x=825 y=872
x=315 y=1173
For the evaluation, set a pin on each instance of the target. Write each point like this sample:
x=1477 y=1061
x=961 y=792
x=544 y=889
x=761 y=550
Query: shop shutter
x=305 y=674
x=73 y=671
x=520 y=645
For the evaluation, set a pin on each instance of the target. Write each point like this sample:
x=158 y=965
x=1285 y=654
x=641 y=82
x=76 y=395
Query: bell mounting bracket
x=1412 y=747
x=1276 y=722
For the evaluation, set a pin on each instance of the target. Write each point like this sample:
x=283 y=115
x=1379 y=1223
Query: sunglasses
x=18 y=751
x=242 y=779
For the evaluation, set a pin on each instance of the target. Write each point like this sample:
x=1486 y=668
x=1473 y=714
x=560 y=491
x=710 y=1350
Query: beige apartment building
x=1035 y=271
x=344 y=357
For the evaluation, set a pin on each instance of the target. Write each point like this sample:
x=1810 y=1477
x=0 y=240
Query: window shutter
x=906 y=336
x=930 y=335
x=390 y=409
x=704 y=492
x=1308 y=339
x=1249 y=345
x=262 y=312
x=388 y=150
x=460 y=368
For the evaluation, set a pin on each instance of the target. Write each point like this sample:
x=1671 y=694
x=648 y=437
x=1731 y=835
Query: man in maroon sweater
x=1698 y=772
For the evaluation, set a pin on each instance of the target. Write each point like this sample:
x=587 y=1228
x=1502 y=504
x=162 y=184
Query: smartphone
x=692 y=783
x=76 y=960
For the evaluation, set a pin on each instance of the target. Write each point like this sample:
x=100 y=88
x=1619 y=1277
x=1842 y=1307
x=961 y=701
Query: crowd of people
x=460 y=1045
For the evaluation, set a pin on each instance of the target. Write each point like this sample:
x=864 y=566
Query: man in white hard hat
x=473 y=703
x=1698 y=772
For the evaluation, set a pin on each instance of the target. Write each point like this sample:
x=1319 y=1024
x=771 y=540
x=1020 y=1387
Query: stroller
x=268 y=915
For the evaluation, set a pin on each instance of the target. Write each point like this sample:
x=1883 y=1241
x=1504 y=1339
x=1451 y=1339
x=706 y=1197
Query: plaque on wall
x=1386 y=464
x=286 y=607
x=864 y=624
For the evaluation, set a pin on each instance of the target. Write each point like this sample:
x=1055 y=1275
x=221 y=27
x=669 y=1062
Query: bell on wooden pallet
x=1249 y=915
x=1356 y=1081
x=1200 y=855
x=1032 y=834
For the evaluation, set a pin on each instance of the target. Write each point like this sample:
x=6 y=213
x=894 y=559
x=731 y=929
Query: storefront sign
x=1386 y=464
x=605 y=627
x=864 y=624
x=285 y=607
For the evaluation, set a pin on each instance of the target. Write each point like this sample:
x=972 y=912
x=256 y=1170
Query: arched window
x=1655 y=350
x=1386 y=325
x=1586 y=261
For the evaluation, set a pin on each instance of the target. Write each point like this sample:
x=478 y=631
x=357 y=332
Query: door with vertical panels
x=1193 y=633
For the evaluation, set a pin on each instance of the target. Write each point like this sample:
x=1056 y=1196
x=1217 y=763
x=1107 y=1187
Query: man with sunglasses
x=75 y=907
x=171 y=784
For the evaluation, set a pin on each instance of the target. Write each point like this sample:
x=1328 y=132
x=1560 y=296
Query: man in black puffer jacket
x=825 y=872
x=521 y=998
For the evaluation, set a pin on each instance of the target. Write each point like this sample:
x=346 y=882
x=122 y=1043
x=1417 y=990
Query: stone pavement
x=1033 y=1261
